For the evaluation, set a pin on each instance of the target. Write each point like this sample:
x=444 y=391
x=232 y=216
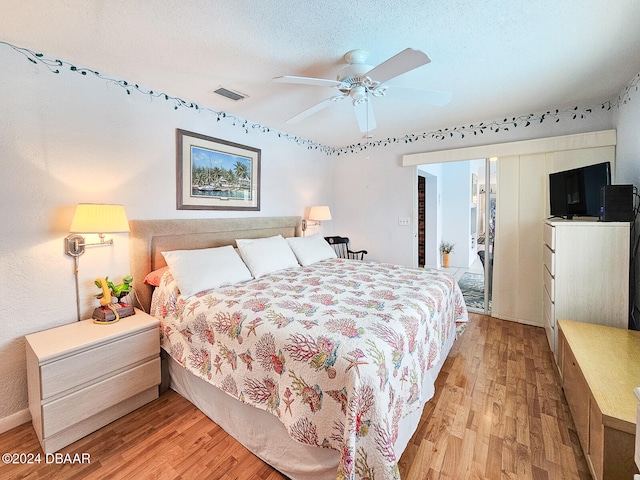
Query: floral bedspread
x=337 y=350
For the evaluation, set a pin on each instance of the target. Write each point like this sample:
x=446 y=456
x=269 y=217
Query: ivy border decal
x=575 y=113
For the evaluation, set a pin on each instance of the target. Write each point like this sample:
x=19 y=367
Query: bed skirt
x=266 y=437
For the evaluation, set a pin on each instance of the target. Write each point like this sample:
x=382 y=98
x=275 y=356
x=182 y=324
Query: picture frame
x=214 y=174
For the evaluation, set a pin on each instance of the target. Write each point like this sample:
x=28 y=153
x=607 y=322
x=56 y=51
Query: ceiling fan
x=359 y=81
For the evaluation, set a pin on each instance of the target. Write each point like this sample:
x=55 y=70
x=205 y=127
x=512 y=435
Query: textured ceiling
x=497 y=57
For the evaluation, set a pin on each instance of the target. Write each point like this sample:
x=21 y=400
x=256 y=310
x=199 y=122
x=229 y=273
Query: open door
x=456 y=203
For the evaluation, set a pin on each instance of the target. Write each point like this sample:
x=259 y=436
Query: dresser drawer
x=549 y=284
x=549 y=309
x=549 y=236
x=71 y=409
x=75 y=370
x=549 y=258
x=577 y=395
x=549 y=328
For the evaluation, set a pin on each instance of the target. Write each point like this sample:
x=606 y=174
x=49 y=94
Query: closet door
x=523 y=201
x=517 y=294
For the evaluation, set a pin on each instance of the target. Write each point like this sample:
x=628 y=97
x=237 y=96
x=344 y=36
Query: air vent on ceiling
x=225 y=92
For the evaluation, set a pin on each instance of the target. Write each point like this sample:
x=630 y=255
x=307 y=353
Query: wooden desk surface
x=610 y=362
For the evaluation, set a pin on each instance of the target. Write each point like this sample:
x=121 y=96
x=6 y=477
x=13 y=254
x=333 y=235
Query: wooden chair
x=341 y=246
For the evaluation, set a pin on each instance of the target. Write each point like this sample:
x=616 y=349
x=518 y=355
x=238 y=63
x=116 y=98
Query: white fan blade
x=410 y=94
x=364 y=115
x=315 y=109
x=320 y=82
x=400 y=63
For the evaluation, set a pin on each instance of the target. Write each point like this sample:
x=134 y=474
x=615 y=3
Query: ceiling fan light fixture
x=358 y=80
x=355 y=71
x=356 y=56
x=358 y=94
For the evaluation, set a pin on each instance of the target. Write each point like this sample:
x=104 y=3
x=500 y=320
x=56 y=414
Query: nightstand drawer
x=75 y=370
x=71 y=409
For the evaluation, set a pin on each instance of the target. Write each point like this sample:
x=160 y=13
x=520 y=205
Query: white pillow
x=311 y=249
x=266 y=255
x=197 y=270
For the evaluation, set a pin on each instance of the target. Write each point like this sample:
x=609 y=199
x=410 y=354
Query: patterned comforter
x=337 y=350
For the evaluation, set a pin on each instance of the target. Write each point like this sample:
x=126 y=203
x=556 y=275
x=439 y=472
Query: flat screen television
x=577 y=192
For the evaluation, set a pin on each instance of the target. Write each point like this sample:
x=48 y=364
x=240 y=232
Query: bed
x=319 y=369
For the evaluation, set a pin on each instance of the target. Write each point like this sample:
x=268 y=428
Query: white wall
x=627 y=123
x=67 y=139
x=371 y=191
x=456 y=202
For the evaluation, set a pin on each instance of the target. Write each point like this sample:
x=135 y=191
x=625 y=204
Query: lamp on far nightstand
x=317 y=214
x=93 y=218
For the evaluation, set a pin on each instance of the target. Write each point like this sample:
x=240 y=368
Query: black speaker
x=616 y=203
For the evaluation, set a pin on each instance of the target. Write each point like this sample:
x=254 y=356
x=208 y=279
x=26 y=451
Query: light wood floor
x=498 y=413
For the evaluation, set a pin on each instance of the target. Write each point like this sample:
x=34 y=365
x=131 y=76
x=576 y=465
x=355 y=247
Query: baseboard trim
x=518 y=320
x=14 y=420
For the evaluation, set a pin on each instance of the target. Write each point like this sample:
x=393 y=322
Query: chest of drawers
x=82 y=376
x=585 y=274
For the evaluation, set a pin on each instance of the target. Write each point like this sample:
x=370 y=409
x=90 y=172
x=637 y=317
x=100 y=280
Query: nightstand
x=82 y=376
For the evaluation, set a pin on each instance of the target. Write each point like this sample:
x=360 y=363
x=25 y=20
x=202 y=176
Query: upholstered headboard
x=148 y=238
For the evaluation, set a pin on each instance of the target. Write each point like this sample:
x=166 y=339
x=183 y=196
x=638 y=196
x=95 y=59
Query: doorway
x=456 y=204
x=428 y=216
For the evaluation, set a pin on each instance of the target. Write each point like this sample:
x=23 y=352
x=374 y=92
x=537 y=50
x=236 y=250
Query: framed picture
x=213 y=174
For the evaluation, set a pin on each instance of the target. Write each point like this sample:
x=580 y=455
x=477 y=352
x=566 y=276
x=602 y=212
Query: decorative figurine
x=109 y=312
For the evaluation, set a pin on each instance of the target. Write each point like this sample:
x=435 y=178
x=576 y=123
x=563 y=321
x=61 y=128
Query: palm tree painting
x=220 y=174
x=215 y=174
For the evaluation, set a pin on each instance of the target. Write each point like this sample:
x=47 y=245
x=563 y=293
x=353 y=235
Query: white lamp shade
x=97 y=218
x=320 y=213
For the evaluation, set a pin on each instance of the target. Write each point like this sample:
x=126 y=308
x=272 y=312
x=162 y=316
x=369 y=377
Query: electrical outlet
x=404 y=221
